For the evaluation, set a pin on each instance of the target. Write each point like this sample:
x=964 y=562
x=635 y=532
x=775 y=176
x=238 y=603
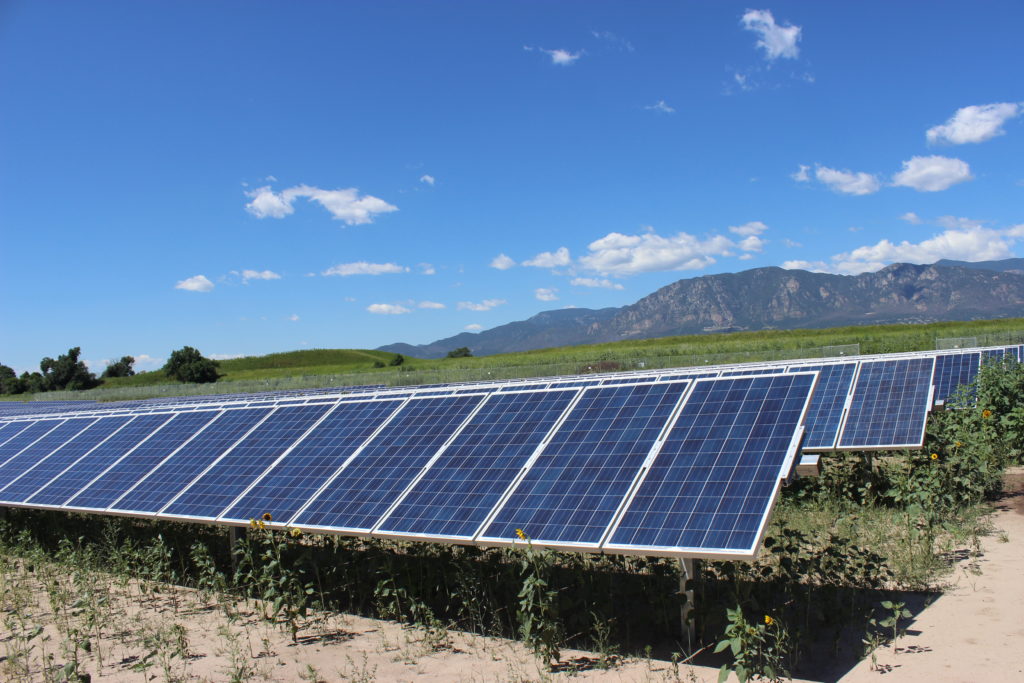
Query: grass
x=316 y=368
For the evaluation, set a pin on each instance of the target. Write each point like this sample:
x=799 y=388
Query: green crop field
x=316 y=368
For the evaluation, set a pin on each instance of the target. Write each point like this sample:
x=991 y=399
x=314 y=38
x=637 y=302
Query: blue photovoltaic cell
x=113 y=483
x=624 y=380
x=232 y=474
x=23 y=439
x=460 y=489
x=133 y=467
x=826 y=411
x=741 y=372
x=38 y=448
x=177 y=471
x=889 y=405
x=953 y=370
x=523 y=387
x=82 y=472
x=364 y=490
x=691 y=375
x=711 y=485
x=563 y=384
x=574 y=487
x=39 y=473
x=300 y=474
x=9 y=430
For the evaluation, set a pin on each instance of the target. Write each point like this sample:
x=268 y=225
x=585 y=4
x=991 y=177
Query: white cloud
x=473 y=327
x=502 y=262
x=343 y=204
x=662 y=107
x=813 y=266
x=226 y=356
x=776 y=41
x=428 y=179
x=387 y=309
x=618 y=254
x=847 y=182
x=741 y=80
x=801 y=175
x=294 y=317
x=548 y=259
x=431 y=304
x=545 y=294
x=958 y=222
x=976 y=123
x=485 y=305
x=911 y=218
x=364 y=268
x=751 y=228
x=969 y=243
x=745 y=257
x=791 y=244
x=197 y=283
x=932 y=174
x=143 y=361
x=595 y=282
x=427 y=268
x=258 y=275
x=562 y=57
x=752 y=243
x=615 y=40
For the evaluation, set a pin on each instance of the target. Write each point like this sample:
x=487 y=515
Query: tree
x=32 y=383
x=397 y=360
x=67 y=372
x=461 y=352
x=121 y=368
x=188 y=365
x=9 y=382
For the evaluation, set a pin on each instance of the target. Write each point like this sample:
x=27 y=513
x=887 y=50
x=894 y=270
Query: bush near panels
x=188 y=365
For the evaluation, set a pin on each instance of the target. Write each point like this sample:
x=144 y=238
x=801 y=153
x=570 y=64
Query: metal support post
x=687 y=569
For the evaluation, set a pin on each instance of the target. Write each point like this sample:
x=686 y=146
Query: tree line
x=68 y=373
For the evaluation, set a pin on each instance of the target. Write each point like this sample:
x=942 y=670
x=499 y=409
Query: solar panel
x=712 y=483
x=301 y=473
x=53 y=435
x=39 y=472
x=134 y=465
x=890 y=404
x=9 y=430
x=177 y=470
x=458 y=491
x=954 y=370
x=831 y=394
x=85 y=468
x=241 y=464
x=362 y=491
x=574 y=486
x=26 y=438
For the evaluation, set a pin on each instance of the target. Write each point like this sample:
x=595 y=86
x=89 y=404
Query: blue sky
x=251 y=177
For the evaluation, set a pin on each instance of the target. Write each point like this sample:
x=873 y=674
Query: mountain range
x=765 y=298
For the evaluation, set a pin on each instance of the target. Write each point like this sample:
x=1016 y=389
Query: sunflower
x=295 y=532
x=267 y=517
x=768 y=621
x=521 y=534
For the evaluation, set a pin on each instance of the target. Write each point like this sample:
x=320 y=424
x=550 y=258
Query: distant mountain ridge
x=765 y=298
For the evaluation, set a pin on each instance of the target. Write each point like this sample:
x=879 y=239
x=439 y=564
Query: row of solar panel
x=857 y=405
x=680 y=467
x=954 y=367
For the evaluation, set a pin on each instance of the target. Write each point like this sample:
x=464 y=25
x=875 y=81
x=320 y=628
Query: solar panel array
x=682 y=462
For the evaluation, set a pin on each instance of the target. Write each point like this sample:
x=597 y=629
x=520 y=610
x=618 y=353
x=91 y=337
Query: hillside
x=765 y=299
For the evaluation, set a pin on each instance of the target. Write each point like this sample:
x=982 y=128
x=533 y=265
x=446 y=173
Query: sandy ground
x=973 y=632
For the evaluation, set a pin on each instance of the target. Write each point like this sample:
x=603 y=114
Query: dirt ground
x=972 y=632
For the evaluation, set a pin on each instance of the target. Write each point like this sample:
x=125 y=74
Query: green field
x=316 y=368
